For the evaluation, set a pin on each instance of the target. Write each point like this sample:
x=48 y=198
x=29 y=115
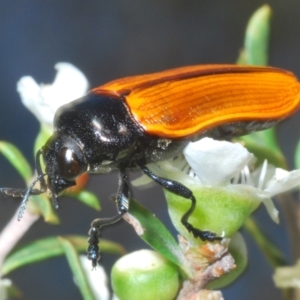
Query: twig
x=14 y=231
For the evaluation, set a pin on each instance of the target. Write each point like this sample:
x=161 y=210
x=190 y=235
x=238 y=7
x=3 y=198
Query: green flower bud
x=145 y=274
x=218 y=209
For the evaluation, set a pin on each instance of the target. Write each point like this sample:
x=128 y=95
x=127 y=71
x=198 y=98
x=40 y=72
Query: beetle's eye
x=69 y=165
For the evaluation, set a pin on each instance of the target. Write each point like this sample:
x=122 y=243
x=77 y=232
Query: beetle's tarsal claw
x=203 y=235
x=93 y=254
x=93 y=250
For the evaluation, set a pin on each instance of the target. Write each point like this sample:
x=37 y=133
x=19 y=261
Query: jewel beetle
x=130 y=122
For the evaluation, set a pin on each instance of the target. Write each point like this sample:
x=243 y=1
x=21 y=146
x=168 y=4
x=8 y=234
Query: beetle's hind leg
x=122 y=203
x=181 y=190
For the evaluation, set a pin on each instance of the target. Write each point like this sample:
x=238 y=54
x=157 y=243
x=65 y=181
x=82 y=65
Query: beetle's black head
x=64 y=161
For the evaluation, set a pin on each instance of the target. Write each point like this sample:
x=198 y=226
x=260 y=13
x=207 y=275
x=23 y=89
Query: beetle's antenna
x=31 y=191
x=26 y=193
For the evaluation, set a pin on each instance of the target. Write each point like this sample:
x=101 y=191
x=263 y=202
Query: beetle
x=131 y=122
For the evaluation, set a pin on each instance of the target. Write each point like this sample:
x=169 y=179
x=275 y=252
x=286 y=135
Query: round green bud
x=222 y=210
x=145 y=274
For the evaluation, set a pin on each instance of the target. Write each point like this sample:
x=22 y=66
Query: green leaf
x=41 y=138
x=269 y=249
x=297 y=156
x=256 y=42
x=41 y=204
x=77 y=270
x=16 y=158
x=262 y=144
x=154 y=233
x=50 y=247
x=87 y=198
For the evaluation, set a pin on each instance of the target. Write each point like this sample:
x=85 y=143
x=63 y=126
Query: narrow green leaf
x=264 y=145
x=154 y=233
x=242 y=60
x=87 y=198
x=41 y=138
x=297 y=156
x=269 y=249
x=256 y=42
x=16 y=158
x=50 y=247
x=41 y=204
x=77 y=270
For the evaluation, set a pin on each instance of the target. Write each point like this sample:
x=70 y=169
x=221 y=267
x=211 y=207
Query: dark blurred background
x=112 y=39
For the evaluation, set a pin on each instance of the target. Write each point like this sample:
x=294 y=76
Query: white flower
x=225 y=163
x=43 y=100
x=216 y=163
x=228 y=165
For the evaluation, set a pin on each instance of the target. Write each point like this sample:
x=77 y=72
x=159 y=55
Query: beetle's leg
x=122 y=203
x=181 y=190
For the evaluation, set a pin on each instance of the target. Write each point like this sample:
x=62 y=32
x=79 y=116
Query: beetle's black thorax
x=110 y=138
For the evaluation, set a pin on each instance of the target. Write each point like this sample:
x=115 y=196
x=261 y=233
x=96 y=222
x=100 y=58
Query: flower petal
x=216 y=162
x=29 y=92
x=271 y=209
x=282 y=181
x=43 y=100
x=257 y=196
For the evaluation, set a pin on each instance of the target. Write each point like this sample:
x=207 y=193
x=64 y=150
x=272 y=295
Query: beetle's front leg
x=122 y=203
x=181 y=190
